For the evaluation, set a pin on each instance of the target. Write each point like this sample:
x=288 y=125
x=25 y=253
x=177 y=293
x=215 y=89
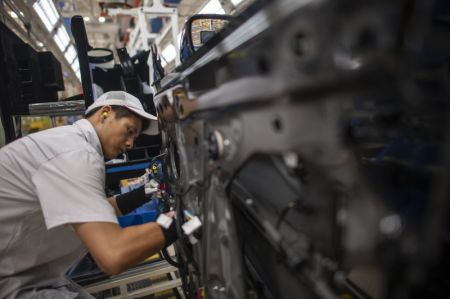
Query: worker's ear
x=105 y=112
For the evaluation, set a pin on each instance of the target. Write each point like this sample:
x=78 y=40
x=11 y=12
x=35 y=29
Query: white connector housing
x=192 y=225
x=164 y=221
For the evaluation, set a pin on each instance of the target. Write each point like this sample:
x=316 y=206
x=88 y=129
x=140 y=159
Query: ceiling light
x=75 y=66
x=47 y=12
x=70 y=54
x=86 y=19
x=101 y=19
x=13 y=15
x=59 y=43
x=43 y=16
x=40 y=44
x=49 y=9
x=236 y=2
x=212 y=7
x=62 y=38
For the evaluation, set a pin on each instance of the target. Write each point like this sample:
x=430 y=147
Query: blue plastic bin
x=143 y=214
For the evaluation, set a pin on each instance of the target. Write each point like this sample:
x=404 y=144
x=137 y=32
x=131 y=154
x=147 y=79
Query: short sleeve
x=70 y=189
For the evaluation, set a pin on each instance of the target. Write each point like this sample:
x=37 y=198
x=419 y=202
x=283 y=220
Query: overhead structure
x=143 y=36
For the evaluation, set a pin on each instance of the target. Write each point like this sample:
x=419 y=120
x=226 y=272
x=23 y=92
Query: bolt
x=391 y=225
x=291 y=159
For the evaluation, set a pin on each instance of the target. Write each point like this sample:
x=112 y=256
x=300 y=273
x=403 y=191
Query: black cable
x=158 y=156
x=170 y=233
x=295 y=204
x=283 y=172
x=180 y=216
x=290 y=206
x=195 y=185
x=169 y=259
x=184 y=271
x=355 y=290
x=185 y=252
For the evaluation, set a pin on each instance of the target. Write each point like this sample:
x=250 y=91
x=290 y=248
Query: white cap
x=124 y=99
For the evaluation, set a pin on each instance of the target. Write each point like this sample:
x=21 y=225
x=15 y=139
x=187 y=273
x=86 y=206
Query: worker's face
x=119 y=134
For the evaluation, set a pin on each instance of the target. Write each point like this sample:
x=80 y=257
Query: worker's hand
x=171 y=214
x=168 y=225
x=146 y=177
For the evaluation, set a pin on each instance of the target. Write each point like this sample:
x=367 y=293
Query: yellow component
x=153 y=257
x=124 y=183
x=155 y=168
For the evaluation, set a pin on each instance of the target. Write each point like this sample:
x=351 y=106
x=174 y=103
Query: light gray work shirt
x=48 y=180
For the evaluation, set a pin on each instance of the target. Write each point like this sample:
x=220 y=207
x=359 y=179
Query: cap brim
x=153 y=126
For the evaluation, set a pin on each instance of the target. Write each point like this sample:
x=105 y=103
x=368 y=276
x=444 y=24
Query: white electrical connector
x=191 y=226
x=164 y=221
x=193 y=240
x=146 y=176
x=151 y=187
x=153 y=183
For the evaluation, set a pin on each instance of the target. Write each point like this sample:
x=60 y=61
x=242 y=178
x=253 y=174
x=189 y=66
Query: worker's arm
x=113 y=202
x=116 y=249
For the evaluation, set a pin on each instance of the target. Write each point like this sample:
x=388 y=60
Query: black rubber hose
x=169 y=259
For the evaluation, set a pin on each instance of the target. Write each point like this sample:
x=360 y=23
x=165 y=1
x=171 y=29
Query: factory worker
x=53 y=205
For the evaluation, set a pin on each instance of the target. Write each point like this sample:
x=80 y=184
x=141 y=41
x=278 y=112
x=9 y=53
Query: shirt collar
x=88 y=130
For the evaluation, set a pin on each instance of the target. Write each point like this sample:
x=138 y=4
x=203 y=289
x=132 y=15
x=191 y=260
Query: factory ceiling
x=104 y=30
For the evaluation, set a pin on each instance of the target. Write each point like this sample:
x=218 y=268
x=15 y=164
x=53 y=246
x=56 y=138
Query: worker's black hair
x=121 y=112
